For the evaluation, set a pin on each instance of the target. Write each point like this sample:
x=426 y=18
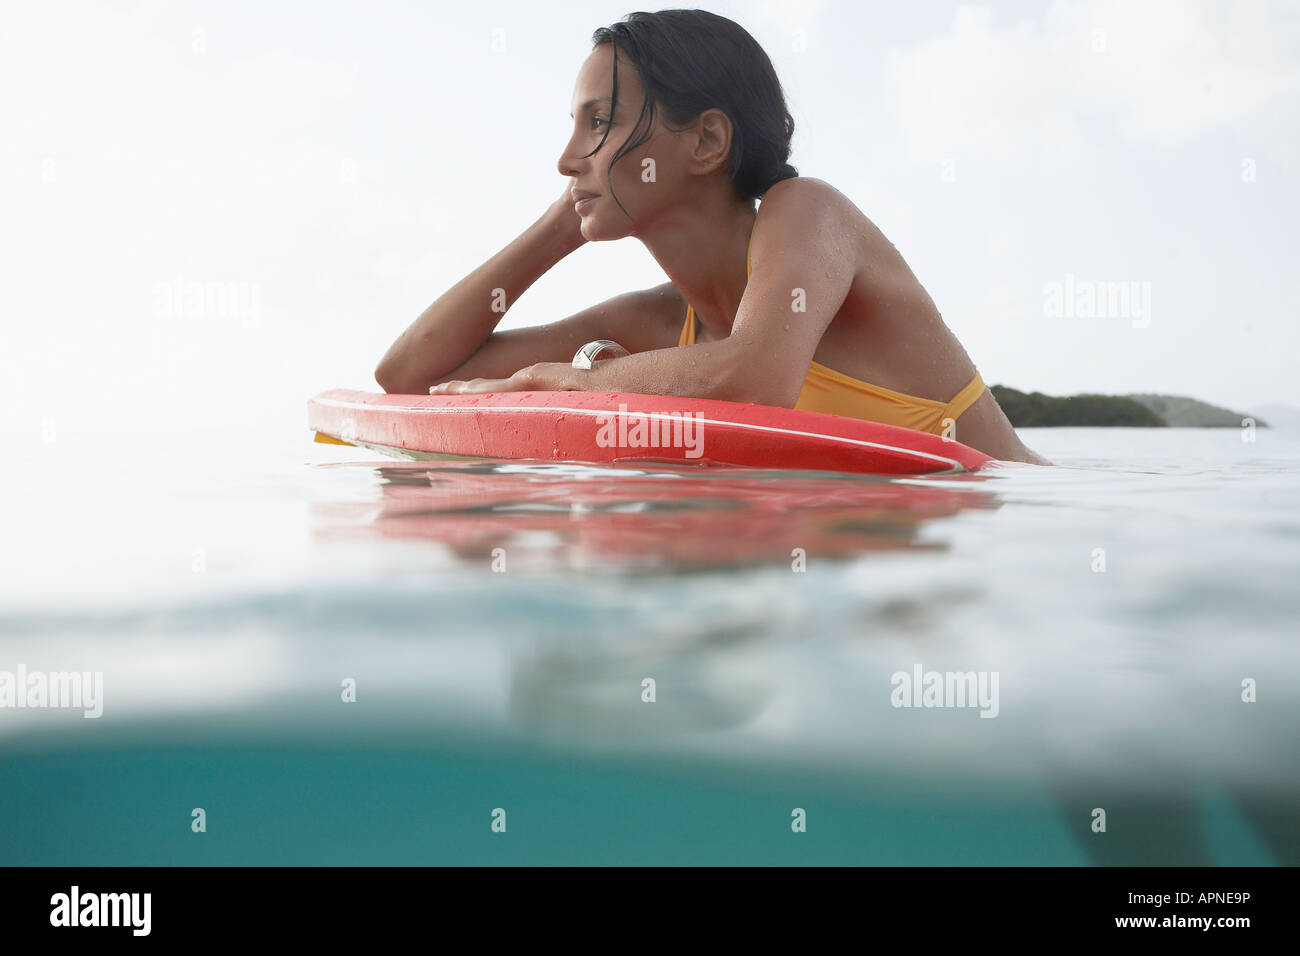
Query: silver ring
x=585 y=357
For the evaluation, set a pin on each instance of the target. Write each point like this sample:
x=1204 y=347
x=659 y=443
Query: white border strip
x=952 y=463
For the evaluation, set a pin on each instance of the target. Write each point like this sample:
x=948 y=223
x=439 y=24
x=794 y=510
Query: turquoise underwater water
x=499 y=622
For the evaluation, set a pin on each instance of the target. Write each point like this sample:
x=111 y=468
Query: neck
x=701 y=248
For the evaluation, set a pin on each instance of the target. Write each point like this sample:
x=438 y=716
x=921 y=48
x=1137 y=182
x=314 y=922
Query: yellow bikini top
x=826 y=390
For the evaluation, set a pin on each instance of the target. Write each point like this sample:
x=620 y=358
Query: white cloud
x=1161 y=72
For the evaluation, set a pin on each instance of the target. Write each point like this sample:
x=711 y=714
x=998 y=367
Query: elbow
x=744 y=393
x=386 y=379
x=770 y=391
x=737 y=380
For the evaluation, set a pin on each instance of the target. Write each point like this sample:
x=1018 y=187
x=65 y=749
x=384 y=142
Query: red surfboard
x=609 y=427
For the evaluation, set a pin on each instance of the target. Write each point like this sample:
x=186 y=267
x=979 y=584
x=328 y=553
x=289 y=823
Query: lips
x=579 y=195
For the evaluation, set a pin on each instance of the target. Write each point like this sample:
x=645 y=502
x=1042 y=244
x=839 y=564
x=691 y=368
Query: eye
x=597 y=119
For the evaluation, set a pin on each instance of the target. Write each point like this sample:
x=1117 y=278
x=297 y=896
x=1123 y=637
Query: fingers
x=448 y=388
x=472 y=386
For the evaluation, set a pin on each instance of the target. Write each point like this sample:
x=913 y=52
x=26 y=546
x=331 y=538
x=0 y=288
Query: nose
x=571 y=162
x=566 y=167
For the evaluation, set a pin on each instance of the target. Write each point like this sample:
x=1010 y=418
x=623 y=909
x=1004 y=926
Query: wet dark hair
x=692 y=60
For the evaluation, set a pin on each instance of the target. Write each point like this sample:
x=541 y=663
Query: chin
x=593 y=231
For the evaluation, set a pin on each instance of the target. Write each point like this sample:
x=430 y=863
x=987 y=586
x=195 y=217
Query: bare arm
x=704 y=370
x=458 y=325
x=797 y=248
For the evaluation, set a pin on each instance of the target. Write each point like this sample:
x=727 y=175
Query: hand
x=564 y=219
x=542 y=377
x=475 y=385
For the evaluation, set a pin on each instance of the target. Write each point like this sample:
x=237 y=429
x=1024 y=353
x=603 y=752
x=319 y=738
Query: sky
x=210 y=212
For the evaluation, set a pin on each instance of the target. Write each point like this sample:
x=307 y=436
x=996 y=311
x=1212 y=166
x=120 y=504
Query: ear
x=713 y=131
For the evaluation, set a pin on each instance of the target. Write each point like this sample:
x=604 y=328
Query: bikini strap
x=966 y=397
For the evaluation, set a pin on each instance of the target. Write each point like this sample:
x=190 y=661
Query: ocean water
x=1131 y=617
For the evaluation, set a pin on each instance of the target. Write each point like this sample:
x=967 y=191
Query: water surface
x=500 y=619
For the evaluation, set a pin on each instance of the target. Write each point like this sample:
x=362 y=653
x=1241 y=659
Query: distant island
x=1036 y=410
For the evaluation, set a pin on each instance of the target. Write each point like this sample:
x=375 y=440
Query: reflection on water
x=573 y=684
x=624 y=518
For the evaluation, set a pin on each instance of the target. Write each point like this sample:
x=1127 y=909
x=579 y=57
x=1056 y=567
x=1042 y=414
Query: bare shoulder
x=808 y=212
x=662 y=313
x=804 y=220
x=640 y=320
x=667 y=301
x=881 y=265
x=667 y=296
x=814 y=198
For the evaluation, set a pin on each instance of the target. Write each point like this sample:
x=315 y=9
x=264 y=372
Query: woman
x=680 y=124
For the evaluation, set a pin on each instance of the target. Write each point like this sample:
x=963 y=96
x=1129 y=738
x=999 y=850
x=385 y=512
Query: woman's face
x=645 y=178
